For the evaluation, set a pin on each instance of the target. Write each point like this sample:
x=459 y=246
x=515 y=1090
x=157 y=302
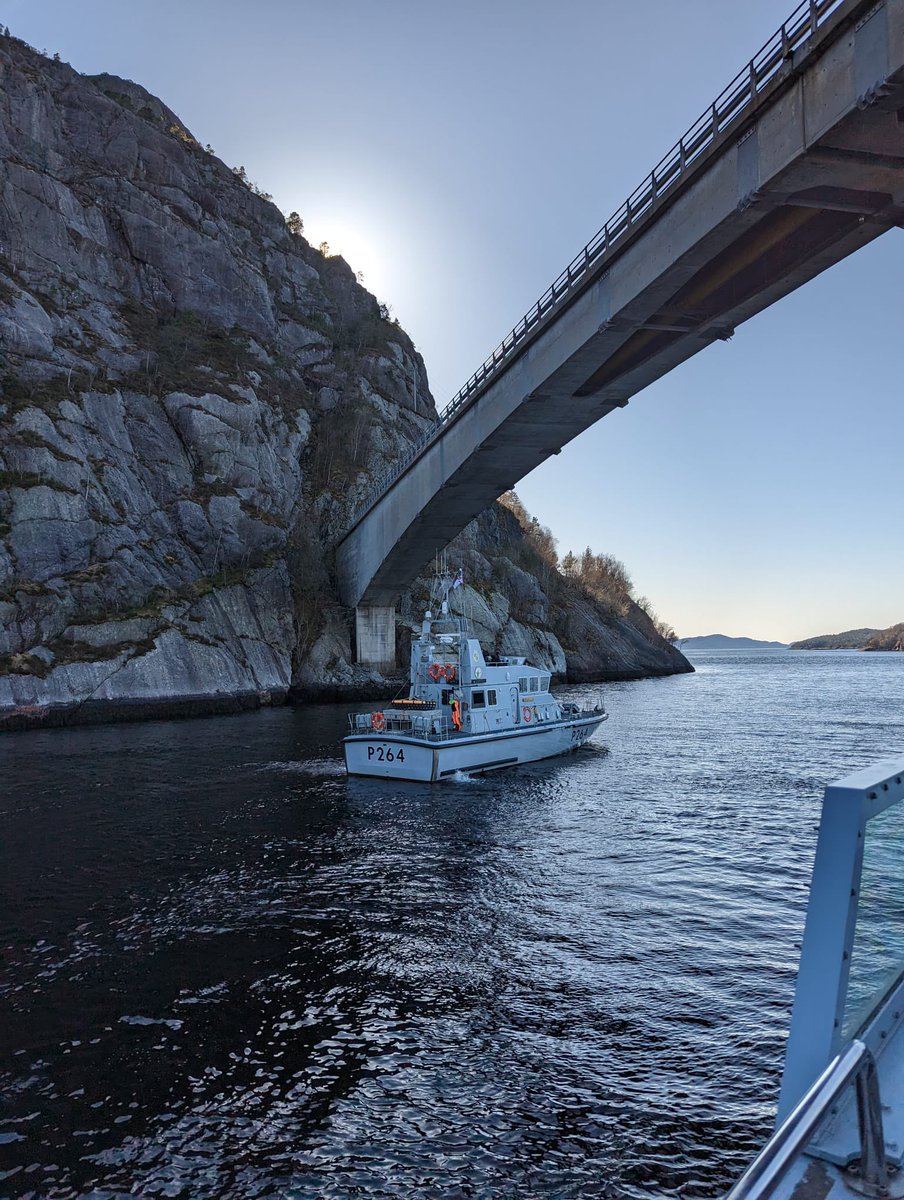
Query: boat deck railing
x=409 y=725
x=424 y=726
x=586 y=709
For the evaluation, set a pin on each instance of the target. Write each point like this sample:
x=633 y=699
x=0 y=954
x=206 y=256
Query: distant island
x=851 y=639
x=888 y=639
x=719 y=641
x=856 y=639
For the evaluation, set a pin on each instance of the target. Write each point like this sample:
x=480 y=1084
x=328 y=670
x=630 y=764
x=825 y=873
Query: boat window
x=522 y=685
x=491 y=696
x=544 y=683
x=478 y=700
x=446 y=697
x=533 y=684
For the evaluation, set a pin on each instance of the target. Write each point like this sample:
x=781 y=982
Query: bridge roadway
x=797 y=164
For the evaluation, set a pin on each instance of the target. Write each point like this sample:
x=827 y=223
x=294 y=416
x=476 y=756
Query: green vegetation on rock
x=851 y=639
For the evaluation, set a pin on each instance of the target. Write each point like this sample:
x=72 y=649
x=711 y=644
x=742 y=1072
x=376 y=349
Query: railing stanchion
x=873 y=1166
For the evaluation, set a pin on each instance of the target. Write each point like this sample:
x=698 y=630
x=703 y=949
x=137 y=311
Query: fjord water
x=228 y=970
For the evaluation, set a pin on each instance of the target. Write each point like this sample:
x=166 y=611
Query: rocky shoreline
x=108 y=712
x=169 y=708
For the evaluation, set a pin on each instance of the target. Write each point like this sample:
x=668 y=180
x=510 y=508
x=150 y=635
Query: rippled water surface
x=227 y=970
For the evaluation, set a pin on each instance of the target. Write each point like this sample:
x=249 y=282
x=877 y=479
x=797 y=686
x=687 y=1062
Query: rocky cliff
x=857 y=639
x=191 y=399
x=887 y=639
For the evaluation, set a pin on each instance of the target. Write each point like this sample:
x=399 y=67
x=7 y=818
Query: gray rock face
x=532 y=610
x=191 y=400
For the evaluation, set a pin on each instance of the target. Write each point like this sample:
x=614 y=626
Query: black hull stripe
x=499 y=762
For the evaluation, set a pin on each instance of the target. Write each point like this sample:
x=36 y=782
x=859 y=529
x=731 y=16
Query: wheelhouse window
x=522 y=685
x=491 y=696
x=446 y=696
x=534 y=684
x=478 y=700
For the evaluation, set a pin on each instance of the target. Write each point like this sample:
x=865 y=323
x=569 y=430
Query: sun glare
x=359 y=251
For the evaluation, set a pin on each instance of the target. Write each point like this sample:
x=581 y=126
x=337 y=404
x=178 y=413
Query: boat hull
x=395 y=756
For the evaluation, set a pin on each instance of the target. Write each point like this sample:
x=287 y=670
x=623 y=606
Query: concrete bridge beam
x=810 y=169
x=375 y=636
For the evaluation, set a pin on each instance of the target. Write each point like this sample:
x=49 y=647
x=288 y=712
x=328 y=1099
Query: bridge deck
x=797 y=164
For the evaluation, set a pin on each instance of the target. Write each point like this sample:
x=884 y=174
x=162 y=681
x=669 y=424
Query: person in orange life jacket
x=456 y=714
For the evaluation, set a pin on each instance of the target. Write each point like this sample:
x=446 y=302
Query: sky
x=459 y=155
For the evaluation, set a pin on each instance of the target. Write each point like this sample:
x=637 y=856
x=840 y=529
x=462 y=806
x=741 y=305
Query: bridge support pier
x=375 y=636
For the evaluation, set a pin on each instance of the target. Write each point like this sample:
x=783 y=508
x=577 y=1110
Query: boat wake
x=327 y=768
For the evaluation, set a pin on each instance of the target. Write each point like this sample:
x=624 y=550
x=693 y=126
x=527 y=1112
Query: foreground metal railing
x=725 y=112
x=851 y=976
x=856 y=1065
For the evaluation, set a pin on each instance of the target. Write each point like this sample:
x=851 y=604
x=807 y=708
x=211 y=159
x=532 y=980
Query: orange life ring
x=526 y=713
x=377 y=721
x=450 y=672
x=437 y=670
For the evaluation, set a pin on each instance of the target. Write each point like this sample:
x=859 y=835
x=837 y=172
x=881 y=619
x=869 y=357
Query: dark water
x=227 y=970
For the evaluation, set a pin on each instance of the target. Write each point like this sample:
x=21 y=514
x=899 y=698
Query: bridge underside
x=818 y=173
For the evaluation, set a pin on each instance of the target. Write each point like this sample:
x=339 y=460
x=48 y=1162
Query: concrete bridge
x=798 y=163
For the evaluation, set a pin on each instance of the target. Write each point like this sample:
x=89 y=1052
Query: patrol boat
x=465 y=711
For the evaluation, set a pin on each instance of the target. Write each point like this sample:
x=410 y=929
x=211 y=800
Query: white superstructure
x=464 y=712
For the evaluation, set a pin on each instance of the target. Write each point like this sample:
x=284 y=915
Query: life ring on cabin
x=450 y=672
x=437 y=671
x=526 y=713
x=377 y=721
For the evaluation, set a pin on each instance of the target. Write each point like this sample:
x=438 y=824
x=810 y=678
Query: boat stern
x=390 y=758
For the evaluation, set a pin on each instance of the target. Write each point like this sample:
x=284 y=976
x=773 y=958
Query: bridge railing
x=725 y=112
